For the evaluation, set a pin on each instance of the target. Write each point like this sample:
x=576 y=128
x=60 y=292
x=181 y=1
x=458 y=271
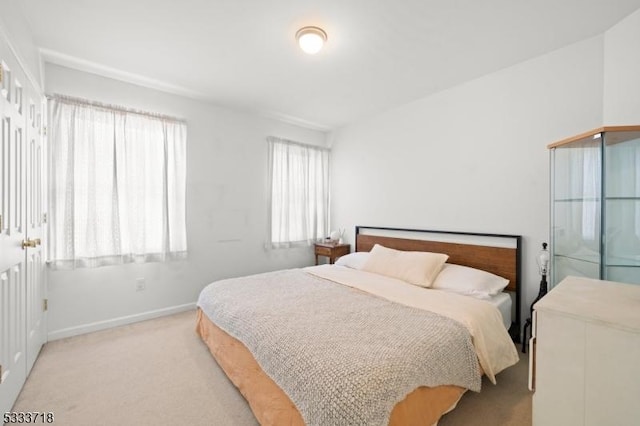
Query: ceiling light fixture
x=311 y=39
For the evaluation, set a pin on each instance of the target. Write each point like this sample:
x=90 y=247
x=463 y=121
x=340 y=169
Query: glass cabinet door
x=622 y=207
x=576 y=209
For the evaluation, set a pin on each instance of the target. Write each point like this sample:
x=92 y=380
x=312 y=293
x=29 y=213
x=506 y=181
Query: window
x=299 y=195
x=117 y=185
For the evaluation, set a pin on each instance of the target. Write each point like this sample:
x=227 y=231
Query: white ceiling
x=242 y=53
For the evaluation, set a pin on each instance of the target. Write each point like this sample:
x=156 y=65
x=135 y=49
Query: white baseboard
x=115 y=322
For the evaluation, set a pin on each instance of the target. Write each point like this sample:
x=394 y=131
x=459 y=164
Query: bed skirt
x=271 y=406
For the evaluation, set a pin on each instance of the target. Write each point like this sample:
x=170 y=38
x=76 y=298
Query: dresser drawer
x=323 y=251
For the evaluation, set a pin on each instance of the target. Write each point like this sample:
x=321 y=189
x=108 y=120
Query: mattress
x=503 y=302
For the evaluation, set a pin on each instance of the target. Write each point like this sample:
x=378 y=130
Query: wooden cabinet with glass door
x=595 y=205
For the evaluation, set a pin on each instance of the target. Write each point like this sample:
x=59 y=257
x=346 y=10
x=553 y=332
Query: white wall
x=226 y=211
x=16 y=29
x=622 y=72
x=471 y=158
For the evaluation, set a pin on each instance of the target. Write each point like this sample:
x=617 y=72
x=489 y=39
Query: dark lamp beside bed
x=543 y=264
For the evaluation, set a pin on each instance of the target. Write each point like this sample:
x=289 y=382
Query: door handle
x=30 y=243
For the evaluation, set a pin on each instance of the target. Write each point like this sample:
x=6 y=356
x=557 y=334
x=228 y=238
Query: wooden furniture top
x=593 y=132
x=329 y=244
x=615 y=304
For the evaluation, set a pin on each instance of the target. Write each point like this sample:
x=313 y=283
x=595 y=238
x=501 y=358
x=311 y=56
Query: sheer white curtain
x=624 y=181
x=591 y=187
x=299 y=193
x=117 y=185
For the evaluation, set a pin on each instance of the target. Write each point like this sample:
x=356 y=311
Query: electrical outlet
x=140 y=284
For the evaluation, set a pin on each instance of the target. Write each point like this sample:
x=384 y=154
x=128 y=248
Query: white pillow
x=355 y=260
x=469 y=281
x=415 y=267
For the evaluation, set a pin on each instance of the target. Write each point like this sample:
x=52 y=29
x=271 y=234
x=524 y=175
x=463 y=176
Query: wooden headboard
x=496 y=253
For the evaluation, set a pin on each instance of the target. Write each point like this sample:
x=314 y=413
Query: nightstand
x=331 y=250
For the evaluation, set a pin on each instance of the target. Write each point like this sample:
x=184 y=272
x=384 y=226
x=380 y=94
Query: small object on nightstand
x=336 y=236
x=332 y=250
x=543 y=264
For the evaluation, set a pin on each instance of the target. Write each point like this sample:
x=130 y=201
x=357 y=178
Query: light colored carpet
x=158 y=372
x=508 y=403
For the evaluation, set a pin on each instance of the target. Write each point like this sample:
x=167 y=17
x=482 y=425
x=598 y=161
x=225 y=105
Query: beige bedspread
x=492 y=342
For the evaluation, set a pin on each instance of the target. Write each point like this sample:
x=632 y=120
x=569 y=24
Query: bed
x=334 y=377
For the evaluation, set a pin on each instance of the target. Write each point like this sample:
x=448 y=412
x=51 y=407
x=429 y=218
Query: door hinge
x=44 y=218
x=44 y=130
x=45 y=305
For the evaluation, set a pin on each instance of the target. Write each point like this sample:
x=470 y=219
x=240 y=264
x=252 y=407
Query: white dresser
x=585 y=354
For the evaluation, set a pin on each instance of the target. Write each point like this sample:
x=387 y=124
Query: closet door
x=22 y=285
x=36 y=307
x=13 y=330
